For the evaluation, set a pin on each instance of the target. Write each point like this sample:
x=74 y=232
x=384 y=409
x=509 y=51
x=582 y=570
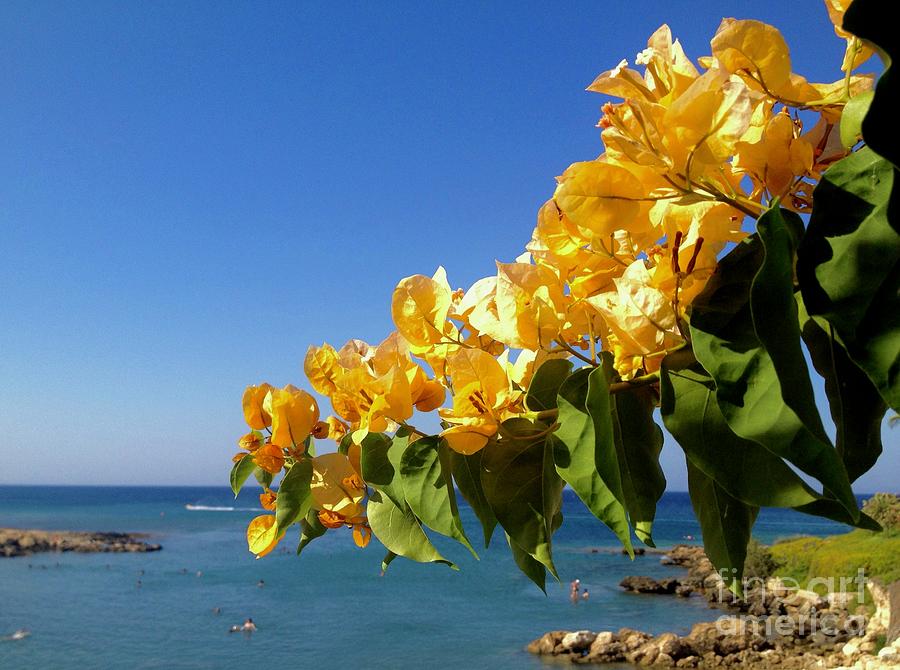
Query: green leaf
x=856 y=406
x=294 y=498
x=310 y=529
x=429 y=490
x=345 y=444
x=725 y=523
x=866 y=19
x=691 y=414
x=523 y=489
x=852 y=117
x=849 y=265
x=534 y=570
x=240 y=471
x=264 y=477
x=584 y=441
x=545 y=384
x=748 y=391
x=638 y=442
x=380 y=463
x=400 y=531
x=775 y=317
x=467 y=473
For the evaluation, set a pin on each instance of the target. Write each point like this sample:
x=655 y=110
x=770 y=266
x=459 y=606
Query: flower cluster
x=619 y=252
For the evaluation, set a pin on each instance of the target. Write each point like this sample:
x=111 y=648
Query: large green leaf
x=775 y=318
x=467 y=473
x=380 y=463
x=849 y=265
x=294 y=498
x=545 y=384
x=240 y=472
x=691 y=414
x=747 y=471
x=638 y=443
x=399 y=531
x=522 y=487
x=534 y=570
x=725 y=523
x=748 y=391
x=583 y=441
x=867 y=19
x=856 y=406
x=429 y=491
x=310 y=529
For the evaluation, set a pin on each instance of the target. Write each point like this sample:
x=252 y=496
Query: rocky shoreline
x=19 y=542
x=772 y=626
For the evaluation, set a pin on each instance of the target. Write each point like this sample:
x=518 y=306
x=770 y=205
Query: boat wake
x=216 y=508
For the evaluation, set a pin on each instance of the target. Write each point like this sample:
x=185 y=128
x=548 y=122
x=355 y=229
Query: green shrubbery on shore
x=805 y=558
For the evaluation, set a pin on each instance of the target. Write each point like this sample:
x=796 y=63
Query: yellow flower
x=640 y=316
x=601 y=198
x=480 y=402
x=530 y=306
x=270 y=458
x=263 y=535
x=319 y=366
x=254 y=413
x=362 y=534
x=267 y=499
x=294 y=413
x=856 y=52
x=419 y=307
x=336 y=486
x=778 y=158
x=251 y=441
x=754 y=50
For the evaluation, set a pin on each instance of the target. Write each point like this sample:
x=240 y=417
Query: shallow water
x=328 y=609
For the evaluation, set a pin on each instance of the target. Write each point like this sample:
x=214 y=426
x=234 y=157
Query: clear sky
x=191 y=193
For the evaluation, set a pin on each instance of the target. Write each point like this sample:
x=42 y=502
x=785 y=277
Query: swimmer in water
x=585 y=595
x=248 y=626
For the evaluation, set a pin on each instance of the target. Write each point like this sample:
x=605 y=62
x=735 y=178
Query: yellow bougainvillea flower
x=269 y=457
x=778 y=158
x=530 y=306
x=362 y=534
x=703 y=125
x=254 y=413
x=419 y=307
x=267 y=499
x=640 y=315
x=336 y=486
x=294 y=413
x=251 y=441
x=263 y=535
x=856 y=52
x=754 y=50
x=331 y=519
x=239 y=456
x=319 y=366
x=601 y=198
x=481 y=399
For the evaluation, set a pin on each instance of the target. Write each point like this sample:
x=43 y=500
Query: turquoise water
x=328 y=609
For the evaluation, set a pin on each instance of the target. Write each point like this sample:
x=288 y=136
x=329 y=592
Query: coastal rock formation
x=771 y=626
x=17 y=542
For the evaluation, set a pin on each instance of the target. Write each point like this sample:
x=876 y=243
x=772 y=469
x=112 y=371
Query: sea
x=330 y=607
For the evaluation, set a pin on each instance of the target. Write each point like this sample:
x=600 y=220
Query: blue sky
x=192 y=193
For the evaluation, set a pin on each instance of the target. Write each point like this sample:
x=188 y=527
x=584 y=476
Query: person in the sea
x=248 y=626
x=261 y=583
x=585 y=595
